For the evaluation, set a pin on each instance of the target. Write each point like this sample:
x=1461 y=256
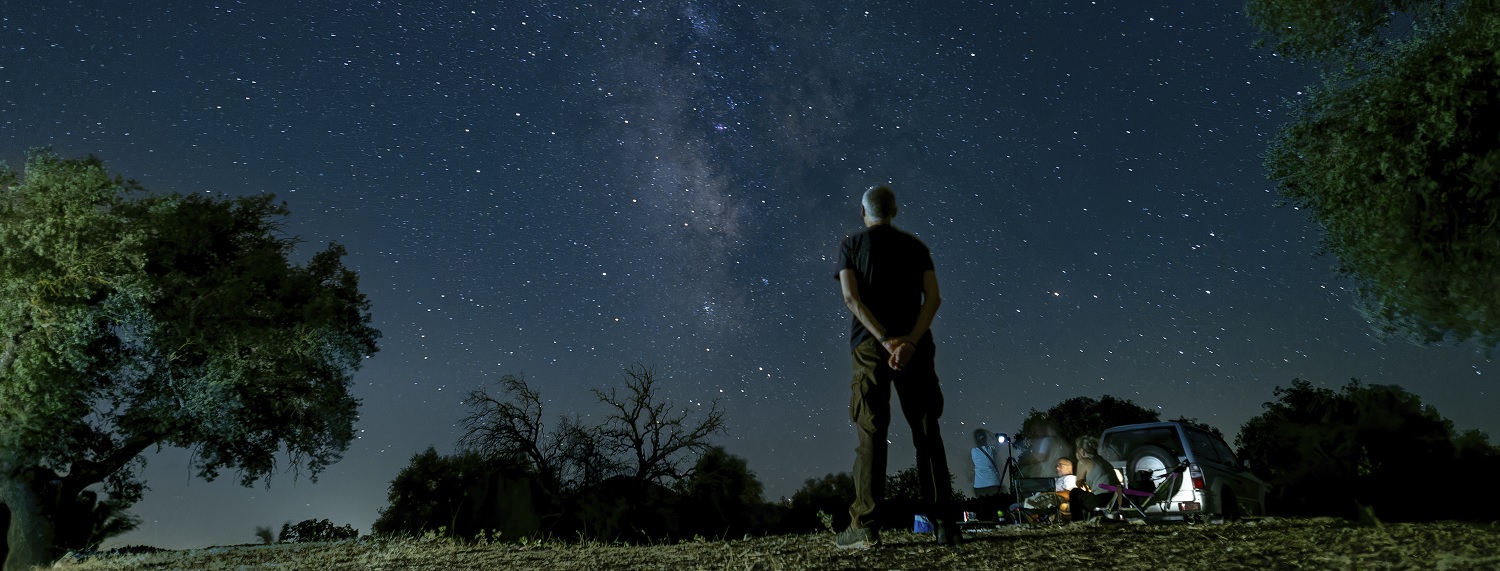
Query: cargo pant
x=870 y=410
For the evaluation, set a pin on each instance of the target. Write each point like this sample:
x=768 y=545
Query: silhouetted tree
x=1329 y=453
x=829 y=495
x=1343 y=32
x=509 y=426
x=903 y=492
x=619 y=480
x=1395 y=155
x=724 y=497
x=1078 y=416
x=90 y=521
x=465 y=494
x=131 y=321
x=648 y=433
x=310 y=530
x=1194 y=422
x=586 y=461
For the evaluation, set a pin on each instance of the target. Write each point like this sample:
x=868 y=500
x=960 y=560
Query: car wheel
x=1229 y=506
x=1158 y=462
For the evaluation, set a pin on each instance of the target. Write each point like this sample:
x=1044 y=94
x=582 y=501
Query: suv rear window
x=1226 y=452
x=1123 y=443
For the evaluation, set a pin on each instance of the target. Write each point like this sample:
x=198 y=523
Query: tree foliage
x=1345 y=31
x=829 y=496
x=264 y=534
x=130 y=320
x=724 y=495
x=1395 y=156
x=1079 y=416
x=903 y=498
x=464 y=495
x=1328 y=452
x=1195 y=423
x=310 y=530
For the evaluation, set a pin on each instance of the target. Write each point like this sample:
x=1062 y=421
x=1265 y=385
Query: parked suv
x=1215 y=484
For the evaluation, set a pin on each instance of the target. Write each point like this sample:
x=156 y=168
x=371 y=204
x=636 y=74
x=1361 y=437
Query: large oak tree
x=131 y=320
x=1396 y=155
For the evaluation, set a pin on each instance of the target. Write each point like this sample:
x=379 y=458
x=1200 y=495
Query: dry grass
x=1268 y=544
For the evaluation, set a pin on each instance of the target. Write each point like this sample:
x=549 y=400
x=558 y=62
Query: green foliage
x=1328 y=453
x=826 y=519
x=130 y=320
x=69 y=259
x=310 y=530
x=1396 y=159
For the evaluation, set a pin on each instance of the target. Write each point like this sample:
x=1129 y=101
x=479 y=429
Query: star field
x=566 y=189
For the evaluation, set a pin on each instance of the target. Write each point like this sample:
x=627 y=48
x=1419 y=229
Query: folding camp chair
x=1137 y=500
x=1027 y=487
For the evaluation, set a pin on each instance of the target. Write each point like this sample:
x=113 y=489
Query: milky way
x=563 y=191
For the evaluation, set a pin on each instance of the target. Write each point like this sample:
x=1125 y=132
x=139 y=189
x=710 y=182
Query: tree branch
x=85 y=473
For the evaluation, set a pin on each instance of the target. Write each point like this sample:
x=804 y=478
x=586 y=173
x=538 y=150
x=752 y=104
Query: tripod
x=1010 y=472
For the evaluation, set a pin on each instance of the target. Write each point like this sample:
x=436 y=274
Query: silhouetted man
x=888 y=284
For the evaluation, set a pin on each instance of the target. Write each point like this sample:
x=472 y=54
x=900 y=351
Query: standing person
x=887 y=280
x=988 y=476
x=986 y=468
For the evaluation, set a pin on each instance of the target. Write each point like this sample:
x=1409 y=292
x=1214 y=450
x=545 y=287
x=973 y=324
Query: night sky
x=563 y=190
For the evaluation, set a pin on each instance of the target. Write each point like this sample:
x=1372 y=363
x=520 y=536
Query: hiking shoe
x=857 y=538
x=948 y=534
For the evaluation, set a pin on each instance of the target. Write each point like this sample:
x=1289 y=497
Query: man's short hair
x=880 y=203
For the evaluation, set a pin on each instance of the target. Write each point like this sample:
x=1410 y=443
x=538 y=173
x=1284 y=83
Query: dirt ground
x=1266 y=544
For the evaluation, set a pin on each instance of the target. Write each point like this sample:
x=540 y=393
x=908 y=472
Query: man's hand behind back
x=901 y=352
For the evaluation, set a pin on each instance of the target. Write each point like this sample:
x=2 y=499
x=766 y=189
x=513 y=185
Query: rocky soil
x=1259 y=545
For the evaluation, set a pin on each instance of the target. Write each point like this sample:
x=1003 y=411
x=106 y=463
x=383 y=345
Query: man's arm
x=850 y=288
x=931 y=300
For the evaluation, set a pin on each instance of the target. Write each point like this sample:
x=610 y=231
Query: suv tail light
x=1197 y=474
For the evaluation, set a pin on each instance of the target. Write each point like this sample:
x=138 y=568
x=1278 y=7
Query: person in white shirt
x=985 y=455
x=1058 y=497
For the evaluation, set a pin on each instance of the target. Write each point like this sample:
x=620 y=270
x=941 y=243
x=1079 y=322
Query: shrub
x=310 y=530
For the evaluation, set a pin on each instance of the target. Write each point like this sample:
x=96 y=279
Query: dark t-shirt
x=888 y=266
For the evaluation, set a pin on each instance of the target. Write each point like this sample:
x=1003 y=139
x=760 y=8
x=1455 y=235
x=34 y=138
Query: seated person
x=1058 y=497
x=1095 y=471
